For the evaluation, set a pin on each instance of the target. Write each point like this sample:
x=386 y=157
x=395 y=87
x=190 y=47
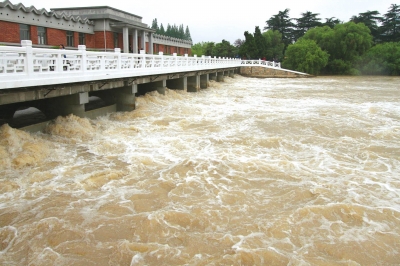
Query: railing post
x=186 y=60
x=82 y=50
x=143 y=55
x=118 y=52
x=28 y=56
x=175 y=55
x=162 y=59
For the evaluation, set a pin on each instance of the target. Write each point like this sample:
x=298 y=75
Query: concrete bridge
x=61 y=82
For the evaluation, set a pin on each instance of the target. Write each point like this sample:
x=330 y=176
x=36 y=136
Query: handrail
x=27 y=66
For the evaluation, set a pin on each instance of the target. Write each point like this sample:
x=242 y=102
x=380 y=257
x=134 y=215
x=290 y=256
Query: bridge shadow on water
x=26 y=116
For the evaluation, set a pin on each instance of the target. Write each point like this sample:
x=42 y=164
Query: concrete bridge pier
x=213 y=76
x=193 y=83
x=158 y=86
x=161 y=86
x=69 y=104
x=220 y=77
x=125 y=97
x=204 y=80
x=177 y=84
x=108 y=96
x=232 y=73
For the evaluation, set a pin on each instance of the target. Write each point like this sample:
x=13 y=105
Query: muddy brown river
x=247 y=172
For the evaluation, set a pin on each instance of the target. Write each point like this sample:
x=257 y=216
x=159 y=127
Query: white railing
x=260 y=62
x=26 y=66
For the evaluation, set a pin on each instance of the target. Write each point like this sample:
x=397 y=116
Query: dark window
x=70 y=38
x=42 y=35
x=24 y=32
x=82 y=38
x=116 y=35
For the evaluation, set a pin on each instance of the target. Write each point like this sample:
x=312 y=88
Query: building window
x=82 y=38
x=42 y=35
x=24 y=32
x=70 y=38
x=116 y=35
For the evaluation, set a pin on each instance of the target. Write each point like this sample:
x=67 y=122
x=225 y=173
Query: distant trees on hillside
x=172 y=30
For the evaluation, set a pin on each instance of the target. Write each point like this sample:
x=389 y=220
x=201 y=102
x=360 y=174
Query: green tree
x=224 y=49
x=323 y=36
x=187 y=34
x=351 y=40
x=208 y=48
x=275 y=45
x=331 y=22
x=307 y=21
x=198 y=49
x=261 y=43
x=371 y=20
x=305 y=56
x=154 y=24
x=390 y=29
x=168 y=31
x=181 y=32
x=282 y=23
x=382 y=59
x=161 y=30
x=344 y=43
x=249 y=48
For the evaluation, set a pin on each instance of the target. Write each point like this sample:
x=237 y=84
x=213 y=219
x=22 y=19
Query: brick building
x=101 y=28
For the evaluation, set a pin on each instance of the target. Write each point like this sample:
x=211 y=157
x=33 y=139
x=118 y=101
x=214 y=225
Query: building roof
x=44 y=12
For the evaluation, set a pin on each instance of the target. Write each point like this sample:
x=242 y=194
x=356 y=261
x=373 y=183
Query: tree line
x=172 y=30
x=367 y=44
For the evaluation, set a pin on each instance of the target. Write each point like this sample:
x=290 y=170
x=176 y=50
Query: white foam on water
x=250 y=171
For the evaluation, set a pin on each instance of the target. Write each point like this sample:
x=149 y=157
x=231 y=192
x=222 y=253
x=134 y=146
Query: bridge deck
x=22 y=67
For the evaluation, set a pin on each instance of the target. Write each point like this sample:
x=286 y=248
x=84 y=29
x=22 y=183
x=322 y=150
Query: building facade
x=100 y=28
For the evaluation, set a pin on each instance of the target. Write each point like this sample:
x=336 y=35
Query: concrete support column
x=220 y=77
x=158 y=86
x=135 y=41
x=143 y=41
x=125 y=39
x=204 y=81
x=193 y=83
x=69 y=104
x=108 y=96
x=226 y=73
x=232 y=73
x=177 y=84
x=213 y=76
x=151 y=43
x=125 y=97
x=161 y=86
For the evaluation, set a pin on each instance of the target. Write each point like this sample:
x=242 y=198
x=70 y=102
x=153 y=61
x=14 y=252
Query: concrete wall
x=263 y=72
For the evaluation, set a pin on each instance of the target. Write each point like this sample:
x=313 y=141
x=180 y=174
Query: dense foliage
x=305 y=56
x=172 y=31
x=344 y=44
x=222 y=49
x=367 y=44
x=382 y=59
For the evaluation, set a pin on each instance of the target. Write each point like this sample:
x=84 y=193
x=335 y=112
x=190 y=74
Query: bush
x=305 y=56
x=382 y=59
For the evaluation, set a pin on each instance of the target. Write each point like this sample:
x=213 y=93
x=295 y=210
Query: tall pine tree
x=307 y=21
x=261 y=43
x=390 y=29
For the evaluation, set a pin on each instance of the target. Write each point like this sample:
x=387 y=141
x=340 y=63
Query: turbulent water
x=246 y=172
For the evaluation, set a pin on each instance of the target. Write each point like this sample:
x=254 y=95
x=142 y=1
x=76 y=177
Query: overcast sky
x=214 y=20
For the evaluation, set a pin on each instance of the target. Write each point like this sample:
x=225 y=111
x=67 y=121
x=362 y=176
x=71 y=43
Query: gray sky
x=214 y=20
